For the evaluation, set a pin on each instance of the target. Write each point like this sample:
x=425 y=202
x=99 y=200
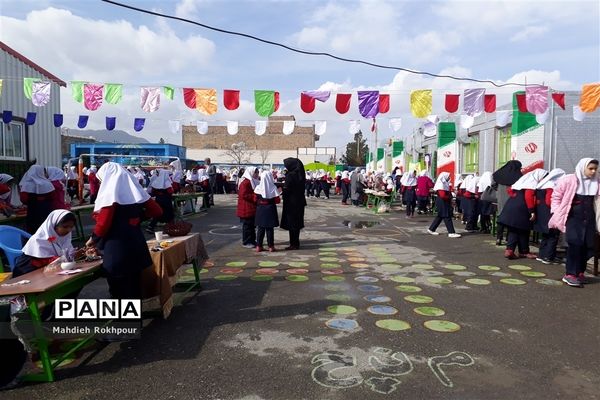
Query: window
x=12 y=141
x=471 y=152
x=503 y=146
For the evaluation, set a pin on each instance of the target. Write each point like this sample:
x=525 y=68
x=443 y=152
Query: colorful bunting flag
x=559 y=98
x=111 y=122
x=489 y=101
x=260 y=127
x=206 y=101
x=451 y=103
x=82 y=122
x=231 y=99
x=92 y=96
x=77 y=90
x=578 y=115
x=202 y=127
x=434 y=119
x=342 y=102
x=307 y=103
x=320 y=127
x=521 y=102
x=503 y=118
x=288 y=127
x=466 y=121
x=0 y=87
x=354 y=127
x=368 y=103
x=28 y=86
x=429 y=129
x=232 y=127
x=590 y=97
x=174 y=126
x=150 y=99
x=7 y=116
x=58 y=120
x=420 y=103
x=395 y=124
x=276 y=94
x=169 y=92
x=384 y=103
x=138 y=124
x=30 y=119
x=473 y=102
x=113 y=93
x=542 y=118
x=264 y=102
x=320 y=95
x=189 y=97
x=536 y=99
x=40 y=93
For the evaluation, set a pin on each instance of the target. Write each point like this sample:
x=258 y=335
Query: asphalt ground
x=336 y=321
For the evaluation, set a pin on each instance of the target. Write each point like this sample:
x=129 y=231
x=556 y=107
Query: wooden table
x=180 y=198
x=45 y=288
x=375 y=198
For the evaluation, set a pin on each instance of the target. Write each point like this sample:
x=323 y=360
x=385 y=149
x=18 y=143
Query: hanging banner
x=521 y=103
x=578 y=115
x=77 y=90
x=189 y=98
x=590 y=97
x=276 y=94
x=232 y=127
x=206 y=101
x=368 y=103
x=354 y=127
x=429 y=129
x=231 y=99
x=40 y=93
x=384 y=103
x=559 y=98
x=395 y=124
x=451 y=103
x=82 y=122
x=7 y=116
x=92 y=96
x=288 y=127
x=260 y=127
x=503 y=118
x=420 y=103
x=169 y=92
x=138 y=124
x=150 y=99
x=307 y=103
x=264 y=102
x=111 y=122
x=30 y=119
x=320 y=127
x=466 y=121
x=342 y=102
x=113 y=93
x=202 y=127
x=473 y=102
x=489 y=101
x=0 y=87
x=434 y=119
x=542 y=118
x=536 y=99
x=58 y=120
x=28 y=86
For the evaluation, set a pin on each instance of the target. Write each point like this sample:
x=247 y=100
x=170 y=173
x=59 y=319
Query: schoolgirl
x=503 y=178
x=345 y=184
x=471 y=198
x=246 y=206
x=443 y=204
x=409 y=195
x=36 y=192
x=204 y=185
x=5 y=194
x=486 y=208
x=309 y=184
x=543 y=202
x=94 y=183
x=267 y=198
x=424 y=185
x=177 y=175
x=338 y=182
x=325 y=183
x=162 y=190
x=573 y=213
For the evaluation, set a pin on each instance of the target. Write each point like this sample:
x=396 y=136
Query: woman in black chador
x=292 y=217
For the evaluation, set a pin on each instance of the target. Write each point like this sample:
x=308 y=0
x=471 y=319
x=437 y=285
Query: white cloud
x=530 y=32
x=73 y=47
x=188 y=8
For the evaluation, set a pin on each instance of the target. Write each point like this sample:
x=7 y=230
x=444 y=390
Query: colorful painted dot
x=464 y=273
x=422 y=266
x=269 y=264
x=329 y=259
x=297 y=264
x=375 y=298
x=231 y=270
x=327 y=249
x=439 y=280
x=261 y=278
x=402 y=279
x=328 y=254
x=342 y=324
x=186 y=278
x=297 y=271
x=334 y=288
x=330 y=265
x=391 y=267
x=382 y=310
x=478 y=281
x=489 y=268
x=512 y=281
x=341 y=309
x=533 y=274
x=356 y=259
x=430 y=311
x=366 y=279
x=202 y=271
x=441 y=326
x=297 y=278
x=333 y=278
x=431 y=273
x=500 y=274
x=267 y=271
x=519 y=267
x=333 y=271
x=393 y=324
x=408 y=288
x=455 y=267
x=225 y=277
x=549 y=282
x=359 y=265
x=416 y=298
x=370 y=288
x=208 y=264
x=236 y=264
x=338 y=297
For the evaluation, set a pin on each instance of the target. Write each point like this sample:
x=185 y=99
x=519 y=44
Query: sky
x=552 y=43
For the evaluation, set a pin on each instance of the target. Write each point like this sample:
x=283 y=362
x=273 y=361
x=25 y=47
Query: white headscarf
x=5 y=178
x=408 y=179
x=458 y=180
x=530 y=180
x=139 y=174
x=55 y=174
x=586 y=186
x=248 y=174
x=118 y=186
x=550 y=180
x=93 y=169
x=39 y=246
x=162 y=180
x=266 y=188
x=178 y=172
x=471 y=184
x=71 y=174
x=192 y=176
x=345 y=175
x=442 y=182
x=202 y=175
x=485 y=181
x=35 y=181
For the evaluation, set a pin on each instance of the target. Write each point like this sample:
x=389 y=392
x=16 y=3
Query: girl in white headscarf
x=246 y=205
x=161 y=188
x=471 y=202
x=36 y=192
x=575 y=212
x=409 y=195
x=72 y=182
x=443 y=204
x=345 y=182
x=177 y=175
x=5 y=193
x=543 y=194
x=57 y=177
x=267 y=198
x=486 y=208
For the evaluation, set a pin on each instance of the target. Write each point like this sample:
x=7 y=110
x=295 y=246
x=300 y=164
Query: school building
x=100 y=151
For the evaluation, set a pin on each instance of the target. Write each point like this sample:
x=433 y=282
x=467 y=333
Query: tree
x=264 y=154
x=356 y=151
x=161 y=141
x=239 y=153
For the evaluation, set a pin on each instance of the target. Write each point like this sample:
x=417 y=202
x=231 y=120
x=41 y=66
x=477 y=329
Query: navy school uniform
x=542 y=217
x=443 y=204
x=516 y=212
x=266 y=212
x=580 y=234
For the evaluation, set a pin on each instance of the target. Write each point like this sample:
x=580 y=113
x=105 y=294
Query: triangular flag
x=206 y=101
x=92 y=96
x=503 y=118
x=231 y=99
x=264 y=102
x=541 y=118
x=590 y=97
x=174 y=126
x=320 y=127
x=466 y=121
x=77 y=90
x=260 y=127
x=58 y=120
x=111 y=122
x=420 y=103
x=202 y=127
x=276 y=94
x=434 y=119
x=307 y=103
x=169 y=92
x=189 y=97
x=0 y=87
x=28 y=86
x=578 y=115
x=7 y=116
x=384 y=103
x=40 y=93
x=342 y=102
x=320 y=95
x=429 y=129
x=395 y=124
x=82 y=122
x=288 y=127
x=559 y=98
x=30 y=119
x=232 y=127
x=489 y=101
x=368 y=103
x=473 y=102
x=150 y=98
x=354 y=127
x=138 y=124
x=521 y=103
x=113 y=93
x=536 y=98
x=452 y=101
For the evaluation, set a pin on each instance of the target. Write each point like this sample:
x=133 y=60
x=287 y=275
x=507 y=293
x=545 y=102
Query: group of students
x=258 y=196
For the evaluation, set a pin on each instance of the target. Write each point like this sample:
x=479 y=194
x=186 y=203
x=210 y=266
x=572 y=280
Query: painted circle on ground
x=327 y=248
x=464 y=273
x=236 y=264
x=208 y=264
x=225 y=277
x=382 y=310
x=417 y=298
x=533 y=274
x=392 y=324
x=342 y=324
x=391 y=267
x=369 y=288
x=376 y=248
x=359 y=265
x=512 y=281
x=186 y=278
x=202 y=271
x=455 y=267
x=402 y=279
x=366 y=279
x=297 y=271
x=354 y=255
x=408 y=288
x=267 y=271
x=297 y=278
x=429 y=311
x=333 y=278
x=478 y=281
x=441 y=326
x=261 y=278
x=338 y=297
x=334 y=288
x=328 y=254
x=386 y=260
x=375 y=298
x=519 y=267
x=231 y=270
x=422 y=266
x=341 y=309
x=500 y=274
x=549 y=282
x=356 y=259
x=333 y=271
x=268 y=264
x=330 y=259
x=297 y=264
x=488 y=268
x=330 y=265
x=439 y=280
x=431 y=273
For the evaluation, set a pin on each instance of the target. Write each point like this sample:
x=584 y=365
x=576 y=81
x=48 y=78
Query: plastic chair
x=11 y=242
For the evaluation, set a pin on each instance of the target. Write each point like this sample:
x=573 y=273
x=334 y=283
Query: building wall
x=67 y=141
x=275 y=157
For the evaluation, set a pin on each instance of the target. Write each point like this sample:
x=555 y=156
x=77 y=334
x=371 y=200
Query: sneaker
x=454 y=235
x=510 y=254
x=434 y=233
x=249 y=245
x=581 y=278
x=543 y=260
x=572 y=280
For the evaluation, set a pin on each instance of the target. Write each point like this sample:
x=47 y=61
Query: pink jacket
x=562 y=198
x=424 y=184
